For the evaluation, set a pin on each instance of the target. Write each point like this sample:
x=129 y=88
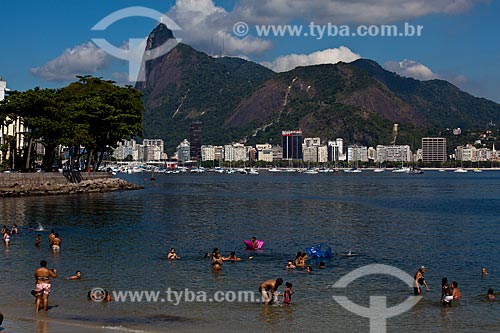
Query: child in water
x=287 y=295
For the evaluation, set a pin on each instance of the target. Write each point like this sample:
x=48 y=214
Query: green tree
x=92 y=113
x=104 y=114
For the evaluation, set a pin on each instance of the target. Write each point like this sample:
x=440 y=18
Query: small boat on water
x=477 y=170
x=378 y=170
x=460 y=170
x=252 y=171
x=352 y=170
x=311 y=172
x=402 y=170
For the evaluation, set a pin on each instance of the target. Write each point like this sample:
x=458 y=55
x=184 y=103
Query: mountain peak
x=159 y=36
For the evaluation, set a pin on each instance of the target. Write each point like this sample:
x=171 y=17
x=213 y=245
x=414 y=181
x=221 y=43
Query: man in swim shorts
x=272 y=287
x=56 y=243
x=43 y=286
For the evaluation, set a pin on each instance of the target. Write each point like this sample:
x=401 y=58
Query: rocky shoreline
x=92 y=185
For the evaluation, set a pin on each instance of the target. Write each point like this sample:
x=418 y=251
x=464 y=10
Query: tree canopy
x=89 y=116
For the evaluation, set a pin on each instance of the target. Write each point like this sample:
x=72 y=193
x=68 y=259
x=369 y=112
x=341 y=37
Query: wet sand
x=47 y=325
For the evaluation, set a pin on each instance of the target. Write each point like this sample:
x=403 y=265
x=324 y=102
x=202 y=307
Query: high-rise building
x=292 y=145
x=235 y=152
x=153 y=149
x=264 y=152
x=183 y=151
x=195 y=140
x=357 y=153
x=394 y=153
x=3 y=88
x=12 y=135
x=434 y=150
x=310 y=149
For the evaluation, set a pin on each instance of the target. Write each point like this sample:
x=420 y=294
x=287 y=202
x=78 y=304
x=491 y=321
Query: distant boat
x=311 y=172
x=274 y=170
x=460 y=170
x=415 y=171
x=477 y=170
x=252 y=171
x=441 y=170
x=352 y=170
x=402 y=170
x=378 y=170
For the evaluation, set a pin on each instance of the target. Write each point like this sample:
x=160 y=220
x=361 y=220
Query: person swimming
x=232 y=257
x=77 y=276
x=491 y=294
x=172 y=255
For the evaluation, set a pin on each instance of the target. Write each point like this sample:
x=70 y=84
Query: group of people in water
x=42 y=274
x=7 y=233
x=449 y=292
x=269 y=288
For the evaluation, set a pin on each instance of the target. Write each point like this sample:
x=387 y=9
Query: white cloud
x=81 y=60
x=413 y=69
x=341 y=11
x=208 y=28
x=328 y=56
x=410 y=68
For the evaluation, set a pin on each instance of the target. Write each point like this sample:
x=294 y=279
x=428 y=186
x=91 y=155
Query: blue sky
x=47 y=43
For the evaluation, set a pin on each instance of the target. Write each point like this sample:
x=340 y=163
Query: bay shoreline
x=37 y=184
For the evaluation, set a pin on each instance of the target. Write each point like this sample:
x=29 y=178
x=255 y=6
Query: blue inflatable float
x=318 y=252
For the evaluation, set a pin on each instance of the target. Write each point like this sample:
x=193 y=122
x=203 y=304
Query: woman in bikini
x=42 y=285
x=420 y=280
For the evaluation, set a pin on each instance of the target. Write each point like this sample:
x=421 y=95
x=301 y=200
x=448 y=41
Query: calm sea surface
x=448 y=222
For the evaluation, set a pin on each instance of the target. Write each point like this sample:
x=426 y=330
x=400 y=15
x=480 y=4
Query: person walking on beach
x=269 y=289
x=419 y=281
x=42 y=285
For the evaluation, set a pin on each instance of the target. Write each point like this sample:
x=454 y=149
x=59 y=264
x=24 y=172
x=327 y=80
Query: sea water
x=119 y=241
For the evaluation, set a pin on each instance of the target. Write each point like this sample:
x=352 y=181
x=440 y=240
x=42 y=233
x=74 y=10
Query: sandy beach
x=44 y=324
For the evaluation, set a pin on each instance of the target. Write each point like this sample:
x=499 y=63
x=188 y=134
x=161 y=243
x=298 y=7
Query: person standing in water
x=56 y=243
x=6 y=238
x=38 y=240
x=420 y=281
x=51 y=237
x=216 y=261
x=457 y=295
x=42 y=285
x=269 y=289
x=172 y=255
